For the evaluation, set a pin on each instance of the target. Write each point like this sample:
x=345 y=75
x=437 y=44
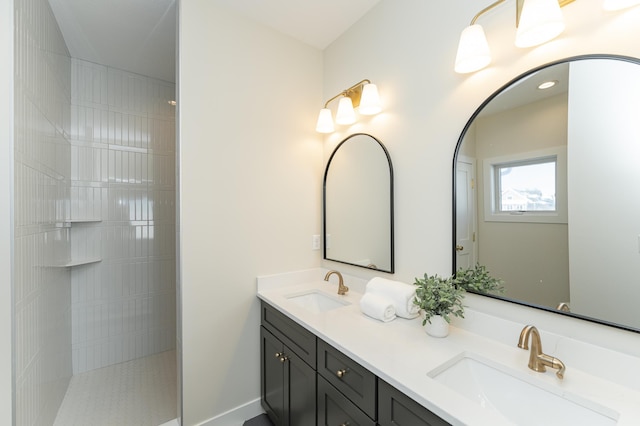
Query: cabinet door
x=335 y=409
x=272 y=376
x=397 y=409
x=300 y=391
x=288 y=384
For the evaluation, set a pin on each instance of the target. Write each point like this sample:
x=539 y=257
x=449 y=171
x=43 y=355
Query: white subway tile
x=120 y=306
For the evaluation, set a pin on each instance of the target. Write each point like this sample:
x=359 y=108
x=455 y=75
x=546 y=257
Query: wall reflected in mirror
x=358 y=204
x=544 y=189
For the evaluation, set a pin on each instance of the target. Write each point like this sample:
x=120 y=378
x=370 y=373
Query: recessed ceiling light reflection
x=547 y=84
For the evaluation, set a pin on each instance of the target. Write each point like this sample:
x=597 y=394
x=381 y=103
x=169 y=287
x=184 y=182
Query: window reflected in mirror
x=539 y=198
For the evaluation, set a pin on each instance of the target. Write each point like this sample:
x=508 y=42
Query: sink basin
x=317 y=302
x=515 y=396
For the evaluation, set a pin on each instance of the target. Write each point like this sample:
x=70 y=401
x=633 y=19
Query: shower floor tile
x=141 y=392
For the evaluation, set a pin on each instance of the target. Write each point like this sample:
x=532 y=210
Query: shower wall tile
x=88 y=83
x=127 y=91
x=159 y=171
x=89 y=123
x=89 y=163
x=42 y=173
x=123 y=172
x=86 y=241
x=88 y=202
x=162 y=206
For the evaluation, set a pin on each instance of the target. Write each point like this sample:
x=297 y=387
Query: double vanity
x=324 y=362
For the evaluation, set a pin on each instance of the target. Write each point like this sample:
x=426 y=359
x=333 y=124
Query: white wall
x=250 y=188
x=408 y=48
x=604 y=234
x=6 y=206
x=251 y=164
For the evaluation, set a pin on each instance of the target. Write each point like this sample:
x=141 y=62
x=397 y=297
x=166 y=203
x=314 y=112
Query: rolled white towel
x=377 y=307
x=399 y=293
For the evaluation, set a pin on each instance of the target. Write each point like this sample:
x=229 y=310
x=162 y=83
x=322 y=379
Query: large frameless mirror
x=544 y=189
x=358 y=204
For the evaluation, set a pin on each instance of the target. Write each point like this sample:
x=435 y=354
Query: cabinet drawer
x=397 y=409
x=293 y=335
x=349 y=377
x=334 y=409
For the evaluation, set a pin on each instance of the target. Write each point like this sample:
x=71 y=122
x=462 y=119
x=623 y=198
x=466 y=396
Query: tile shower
x=94 y=181
x=122 y=175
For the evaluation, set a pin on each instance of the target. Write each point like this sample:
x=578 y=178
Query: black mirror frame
x=324 y=206
x=455 y=161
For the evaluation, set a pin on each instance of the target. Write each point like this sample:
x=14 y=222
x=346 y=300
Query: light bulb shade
x=540 y=21
x=345 y=114
x=619 y=4
x=370 y=100
x=325 y=121
x=473 y=50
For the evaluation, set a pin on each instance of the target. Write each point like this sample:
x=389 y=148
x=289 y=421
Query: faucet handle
x=553 y=362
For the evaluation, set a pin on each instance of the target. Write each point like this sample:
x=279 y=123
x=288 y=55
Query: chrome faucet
x=538 y=360
x=342 y=289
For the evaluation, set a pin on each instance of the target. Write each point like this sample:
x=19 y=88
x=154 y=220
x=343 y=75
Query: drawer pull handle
x=341 y=373
x=279 y=354
x=283 y=358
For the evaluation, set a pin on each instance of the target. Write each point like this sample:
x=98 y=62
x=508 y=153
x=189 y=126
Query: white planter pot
x=438 y=327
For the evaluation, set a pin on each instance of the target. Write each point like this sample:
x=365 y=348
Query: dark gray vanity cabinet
x=397 y=409
x=305 y=382
x=288 y=381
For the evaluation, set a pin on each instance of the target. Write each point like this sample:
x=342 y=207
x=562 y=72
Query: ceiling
x=133 y=35
x=525 y=91
x=317 y=23
x=139 y=35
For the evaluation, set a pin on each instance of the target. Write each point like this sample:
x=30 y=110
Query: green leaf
x=439 y=296
x=478 y=279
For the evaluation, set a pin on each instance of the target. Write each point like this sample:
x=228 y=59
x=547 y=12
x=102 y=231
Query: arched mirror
x=358 y=204
x=545 y=189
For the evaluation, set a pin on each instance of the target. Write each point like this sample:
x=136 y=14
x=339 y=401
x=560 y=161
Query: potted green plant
x=478 y=280
x=438 y=298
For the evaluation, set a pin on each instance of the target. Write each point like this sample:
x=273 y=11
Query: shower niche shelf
x=78 y=262
x=69 y=223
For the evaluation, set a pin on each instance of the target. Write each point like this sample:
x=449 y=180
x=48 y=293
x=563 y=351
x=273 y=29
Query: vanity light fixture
x=362 y=95
x=473 y=49
x=537 y=21
x=345 y=113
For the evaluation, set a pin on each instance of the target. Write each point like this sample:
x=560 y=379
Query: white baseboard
x=236 y=416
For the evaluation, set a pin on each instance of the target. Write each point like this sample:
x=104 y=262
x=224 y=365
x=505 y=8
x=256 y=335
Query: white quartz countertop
x=401 y=353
